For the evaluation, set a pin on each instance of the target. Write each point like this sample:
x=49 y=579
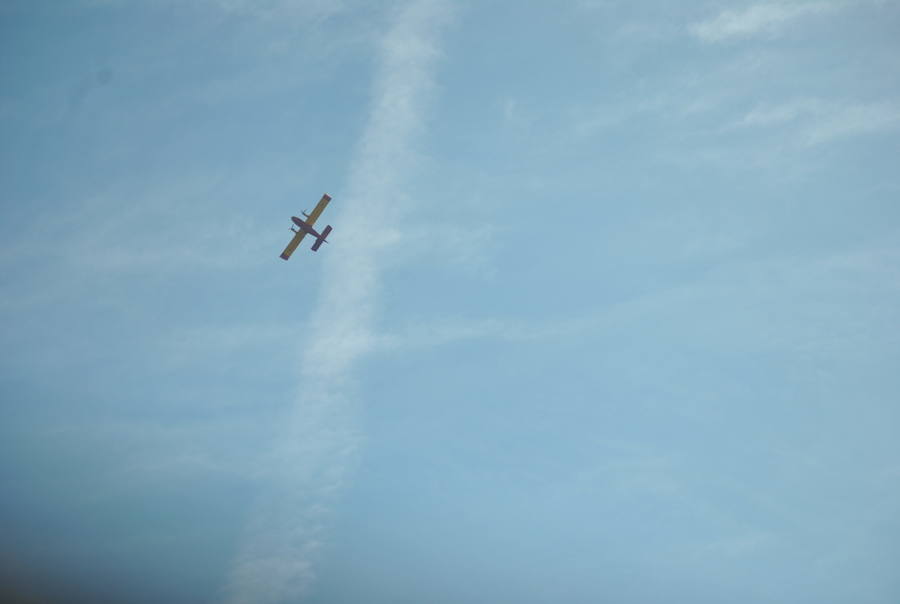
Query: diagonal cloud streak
x=276 y=560
x=766 y=17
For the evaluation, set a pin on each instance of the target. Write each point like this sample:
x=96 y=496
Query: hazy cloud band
x=276 y=561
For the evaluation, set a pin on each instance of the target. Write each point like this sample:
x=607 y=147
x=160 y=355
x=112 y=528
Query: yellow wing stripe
x=292 y=245
x=320 y=207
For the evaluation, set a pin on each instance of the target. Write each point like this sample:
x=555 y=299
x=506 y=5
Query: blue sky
x=608 y=313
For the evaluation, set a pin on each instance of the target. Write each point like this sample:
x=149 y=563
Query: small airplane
x=306 y=227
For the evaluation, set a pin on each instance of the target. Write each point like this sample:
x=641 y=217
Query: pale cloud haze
x=607 y=314
x=763 y=18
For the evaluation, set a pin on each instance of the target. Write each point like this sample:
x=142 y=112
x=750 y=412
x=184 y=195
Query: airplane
x=306 y=227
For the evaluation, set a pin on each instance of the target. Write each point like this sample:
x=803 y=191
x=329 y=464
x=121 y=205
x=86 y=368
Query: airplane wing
x=320 y=207
x=292 y=245
x=310 y=220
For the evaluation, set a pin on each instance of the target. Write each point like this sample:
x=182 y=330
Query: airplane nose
x=297 y=221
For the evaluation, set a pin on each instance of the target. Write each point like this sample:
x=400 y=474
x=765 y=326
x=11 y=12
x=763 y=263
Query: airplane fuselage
x=305 y=227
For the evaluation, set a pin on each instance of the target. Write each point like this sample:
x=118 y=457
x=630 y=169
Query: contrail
x=276 y=561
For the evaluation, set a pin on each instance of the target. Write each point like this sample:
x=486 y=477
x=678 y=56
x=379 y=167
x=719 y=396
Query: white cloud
x=517 y=114
x=277 y=559
x=855 y=119
x=741 y=545
x=457 y=247
x=766 y=18
x=820 y=121
x=293 y=11
x=873 y=267
x=778 y=114
x=186 y=347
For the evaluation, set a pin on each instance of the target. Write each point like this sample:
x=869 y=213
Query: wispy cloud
x=293 y=10
x=850 y=120
x=764 y=18
x=778 y=114
x=821 y=121
x=442 y=331
x=283 y=9
x=872 y=264
x=276 y=561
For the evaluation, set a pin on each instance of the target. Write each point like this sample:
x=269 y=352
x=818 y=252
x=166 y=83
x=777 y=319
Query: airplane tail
x=321 y=238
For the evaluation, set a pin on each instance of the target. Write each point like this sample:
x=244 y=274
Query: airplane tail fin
x=321 y=238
